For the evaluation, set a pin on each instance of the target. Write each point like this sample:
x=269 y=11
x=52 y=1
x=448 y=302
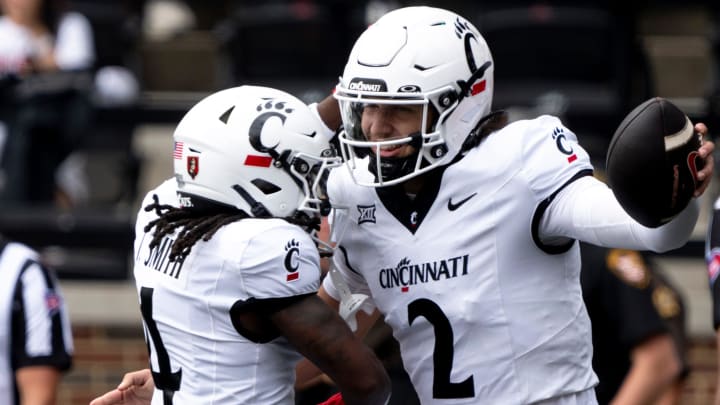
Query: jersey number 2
x=165 y=379
x=443 y=352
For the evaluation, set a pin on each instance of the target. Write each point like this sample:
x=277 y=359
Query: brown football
x=652 y=162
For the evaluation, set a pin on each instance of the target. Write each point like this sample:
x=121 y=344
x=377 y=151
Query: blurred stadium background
x=589 y=62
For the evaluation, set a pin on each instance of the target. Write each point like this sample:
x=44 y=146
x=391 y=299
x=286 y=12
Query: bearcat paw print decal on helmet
x=280 y=105
x=271 y=108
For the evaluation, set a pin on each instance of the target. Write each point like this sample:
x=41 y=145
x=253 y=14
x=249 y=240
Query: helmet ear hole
x=265 y=186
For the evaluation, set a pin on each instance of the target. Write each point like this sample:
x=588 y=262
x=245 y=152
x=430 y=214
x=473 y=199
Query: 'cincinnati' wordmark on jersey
x=158 y=259
x=558 y=135
x=406 y=274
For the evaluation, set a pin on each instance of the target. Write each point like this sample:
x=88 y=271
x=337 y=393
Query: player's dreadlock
x=196 y=224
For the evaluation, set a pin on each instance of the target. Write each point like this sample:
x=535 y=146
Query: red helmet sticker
x=193 y=166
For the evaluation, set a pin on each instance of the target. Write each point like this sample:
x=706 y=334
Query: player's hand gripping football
x=136 y=388
x=706 y=154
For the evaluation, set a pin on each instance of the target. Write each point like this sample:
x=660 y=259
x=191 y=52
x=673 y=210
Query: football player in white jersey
x=226 y=265
x=459 y=229
x=462 y=230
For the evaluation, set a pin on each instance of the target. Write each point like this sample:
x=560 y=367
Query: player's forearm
x=329 y=111
x=655 y=366
x=318 y=333
x=39 y=398
x=307 y=375
x=37 y=385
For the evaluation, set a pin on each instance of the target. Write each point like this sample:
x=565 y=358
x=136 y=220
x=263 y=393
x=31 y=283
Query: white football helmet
x=416 y=55
x=254 y=148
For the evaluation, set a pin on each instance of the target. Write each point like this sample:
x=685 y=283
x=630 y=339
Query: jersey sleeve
x=587 y=210
x=712 y=259
x=280 y=262
x=551 y=156
x=41 y=332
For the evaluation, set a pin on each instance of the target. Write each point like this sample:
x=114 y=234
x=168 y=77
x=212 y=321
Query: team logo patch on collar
x=629 y=266
x=193 y=166
x=367 y=214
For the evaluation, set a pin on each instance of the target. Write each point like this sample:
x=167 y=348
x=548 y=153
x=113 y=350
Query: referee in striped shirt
x=35 y=337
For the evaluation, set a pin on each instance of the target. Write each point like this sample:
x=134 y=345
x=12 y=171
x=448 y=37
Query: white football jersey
x=483 y=311
x=197 y=354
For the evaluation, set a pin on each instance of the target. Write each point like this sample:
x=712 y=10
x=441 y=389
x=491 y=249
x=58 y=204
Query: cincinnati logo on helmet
x=271 y=108
x=292 y=249
x=373 y=85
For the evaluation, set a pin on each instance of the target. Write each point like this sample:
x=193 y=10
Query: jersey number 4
x=165 y=379
x=443 y=352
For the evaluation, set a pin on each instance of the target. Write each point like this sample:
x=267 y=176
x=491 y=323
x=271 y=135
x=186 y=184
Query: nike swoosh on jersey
x=453 y=207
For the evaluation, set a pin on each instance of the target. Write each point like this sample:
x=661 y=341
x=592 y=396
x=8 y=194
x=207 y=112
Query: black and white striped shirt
x=35 y=325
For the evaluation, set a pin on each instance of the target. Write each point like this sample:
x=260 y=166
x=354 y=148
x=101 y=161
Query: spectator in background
x=637 y=321
x=45 y=57
x=36 y=334
x=712 y=258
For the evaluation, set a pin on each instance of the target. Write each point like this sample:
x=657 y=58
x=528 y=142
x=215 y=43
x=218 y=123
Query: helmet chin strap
x=466 y=85
x=257 y=208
